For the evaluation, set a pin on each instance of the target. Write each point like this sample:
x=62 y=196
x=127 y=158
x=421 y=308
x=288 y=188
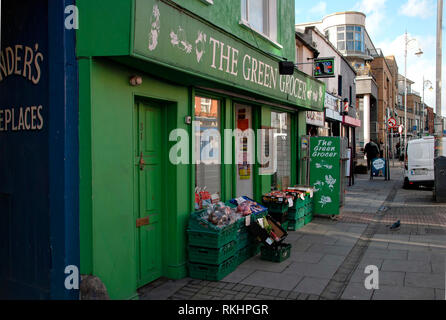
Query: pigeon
x=396 y=225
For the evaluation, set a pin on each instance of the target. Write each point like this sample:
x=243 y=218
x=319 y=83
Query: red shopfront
x=349 y=126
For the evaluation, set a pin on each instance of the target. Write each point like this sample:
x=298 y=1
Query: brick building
x=414 y=107
x=382 y=72
x=430 y=116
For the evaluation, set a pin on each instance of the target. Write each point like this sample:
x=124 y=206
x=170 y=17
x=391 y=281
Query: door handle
x=142 y=163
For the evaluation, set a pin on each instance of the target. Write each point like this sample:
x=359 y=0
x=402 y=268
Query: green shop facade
x=149 y=71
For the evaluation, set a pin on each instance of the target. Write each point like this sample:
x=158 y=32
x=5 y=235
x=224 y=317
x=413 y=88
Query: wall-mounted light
x=135 y=81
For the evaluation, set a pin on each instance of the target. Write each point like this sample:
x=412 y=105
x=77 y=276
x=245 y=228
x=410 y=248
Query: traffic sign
x=392 y=123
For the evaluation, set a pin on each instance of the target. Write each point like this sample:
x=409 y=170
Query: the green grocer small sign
x=325 y=174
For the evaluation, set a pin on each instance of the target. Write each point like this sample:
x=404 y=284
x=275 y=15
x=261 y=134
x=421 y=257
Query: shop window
x=261 y=15
x=282 y=123
x=207 y=145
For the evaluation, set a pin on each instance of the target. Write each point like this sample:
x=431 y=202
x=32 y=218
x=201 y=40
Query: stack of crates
x=296 y=215
x=277 y=208
x=301 y=213
x=309 y=209
x=212 y=250
x=247 y=245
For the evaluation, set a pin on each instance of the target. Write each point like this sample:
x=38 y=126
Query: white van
x=419 y=162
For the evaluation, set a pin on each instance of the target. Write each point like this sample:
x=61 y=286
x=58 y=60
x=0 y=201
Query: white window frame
x=271 y=20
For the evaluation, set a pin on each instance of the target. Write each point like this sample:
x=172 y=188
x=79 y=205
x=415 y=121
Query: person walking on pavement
x=381 y=149
x=398 y=147
x=372 y=151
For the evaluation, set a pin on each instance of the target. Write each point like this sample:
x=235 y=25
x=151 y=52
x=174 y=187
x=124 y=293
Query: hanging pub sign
x=324 y=68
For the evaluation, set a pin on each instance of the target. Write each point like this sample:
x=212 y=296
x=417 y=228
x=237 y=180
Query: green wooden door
x=149 y=192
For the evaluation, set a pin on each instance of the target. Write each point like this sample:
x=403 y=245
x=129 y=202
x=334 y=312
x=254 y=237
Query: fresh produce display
x=204 y=199
x=302 y=191
x=268 y=230
x=220 y=215
x=246 y=206
x=278 y=197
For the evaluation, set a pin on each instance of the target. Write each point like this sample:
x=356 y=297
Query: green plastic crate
x=256 y=248
x=308 y=218
x=295 y=225
x=202 y=233
x=276 y=207
x=248 y=252
x=278 y=253
x=243 y=239
x=299 y=203
x=212 y=256
x=241 y=223
x=297 y=214
x=212 y=272
x=198 y=223
x=285 y=225
x=209 y=239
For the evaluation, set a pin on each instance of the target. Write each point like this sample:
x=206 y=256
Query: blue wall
x=38 y=151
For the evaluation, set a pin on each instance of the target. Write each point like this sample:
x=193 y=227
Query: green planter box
x=278 y=253
x=295 y=225
x=212 y=256
x=212 y=272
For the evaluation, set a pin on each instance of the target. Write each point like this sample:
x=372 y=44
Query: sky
x=386 y=23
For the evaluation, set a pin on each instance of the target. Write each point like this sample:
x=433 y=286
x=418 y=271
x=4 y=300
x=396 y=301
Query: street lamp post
x=419 y=53
x=426 y=84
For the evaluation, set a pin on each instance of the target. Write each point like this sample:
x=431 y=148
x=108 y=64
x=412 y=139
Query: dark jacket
x=371 y=150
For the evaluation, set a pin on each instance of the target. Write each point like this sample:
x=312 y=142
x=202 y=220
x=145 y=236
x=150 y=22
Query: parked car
x=419 y=162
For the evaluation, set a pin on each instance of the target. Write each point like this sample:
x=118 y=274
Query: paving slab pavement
x=329 y=257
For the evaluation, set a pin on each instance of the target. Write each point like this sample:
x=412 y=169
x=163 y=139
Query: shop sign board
x=315 y=118
x=352 y=121
x=167 y=36
x=379 y=167
x=38 y=152
x=325 y=174
x=331 y=102
x=331 y=114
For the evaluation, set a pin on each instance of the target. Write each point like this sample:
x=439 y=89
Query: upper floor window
x=350 y=38
x=261 y=15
